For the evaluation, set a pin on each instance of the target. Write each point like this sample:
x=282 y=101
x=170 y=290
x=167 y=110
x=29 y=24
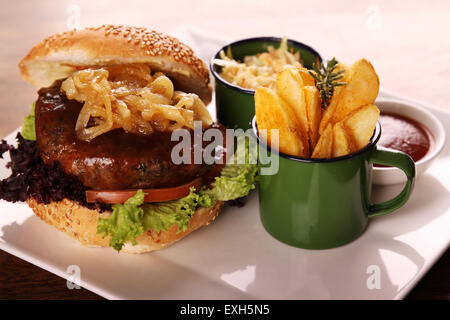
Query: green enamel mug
x=325 y=203
x=235 y=105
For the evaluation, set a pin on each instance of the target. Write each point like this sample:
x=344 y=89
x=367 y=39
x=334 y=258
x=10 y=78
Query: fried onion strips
x=129 y=97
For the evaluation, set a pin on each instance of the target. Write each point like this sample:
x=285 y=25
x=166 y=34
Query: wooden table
x=407 y=43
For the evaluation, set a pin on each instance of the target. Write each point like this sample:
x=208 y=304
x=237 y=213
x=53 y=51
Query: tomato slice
x=152 y=195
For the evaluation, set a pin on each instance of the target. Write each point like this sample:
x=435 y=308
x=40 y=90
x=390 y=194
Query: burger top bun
x=59 y=55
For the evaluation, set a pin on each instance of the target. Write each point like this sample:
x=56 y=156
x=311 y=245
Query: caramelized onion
x=129 y=97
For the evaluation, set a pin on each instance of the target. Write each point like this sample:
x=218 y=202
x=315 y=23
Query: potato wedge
x=290 y=89
x=272 y=113
x=361 y=89
x=324 y=147
x=331 y=109
x=341 y=143
x=361 y=123
x=308 y=80
x=313 y=112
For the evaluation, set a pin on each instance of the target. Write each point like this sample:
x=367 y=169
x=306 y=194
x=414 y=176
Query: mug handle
x=399 y=160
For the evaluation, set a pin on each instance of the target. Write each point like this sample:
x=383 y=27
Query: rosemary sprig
x=327 y=79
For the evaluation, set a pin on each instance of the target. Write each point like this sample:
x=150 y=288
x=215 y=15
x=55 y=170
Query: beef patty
x=114 y=160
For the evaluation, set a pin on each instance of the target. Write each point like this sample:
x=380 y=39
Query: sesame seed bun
x=59 y=55
x=80 y=223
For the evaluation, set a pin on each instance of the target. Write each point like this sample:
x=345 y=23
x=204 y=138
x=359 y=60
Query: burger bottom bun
x=80 y=223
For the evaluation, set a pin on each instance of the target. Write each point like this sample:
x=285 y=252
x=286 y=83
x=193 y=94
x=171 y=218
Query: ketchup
x=405 y=134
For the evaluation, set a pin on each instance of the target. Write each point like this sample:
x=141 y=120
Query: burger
x=95 y=156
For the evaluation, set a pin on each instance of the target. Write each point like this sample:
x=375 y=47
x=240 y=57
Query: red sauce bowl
x=410 y=128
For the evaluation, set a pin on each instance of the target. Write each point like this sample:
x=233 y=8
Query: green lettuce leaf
x=235 y=181
x=28 y=128
x=162 y=216
x=238 y=177
x=125 y=222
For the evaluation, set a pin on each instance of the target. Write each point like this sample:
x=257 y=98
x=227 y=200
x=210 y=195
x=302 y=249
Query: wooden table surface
x=407 y=42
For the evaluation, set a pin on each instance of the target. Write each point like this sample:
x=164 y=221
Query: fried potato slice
x=341 y=143
x=273 y=113
x=361 y=124
x=290 y=89
x=324 y=147
x=308 y=80
x=328 y=114
x=361 y=89
x=313 y=112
